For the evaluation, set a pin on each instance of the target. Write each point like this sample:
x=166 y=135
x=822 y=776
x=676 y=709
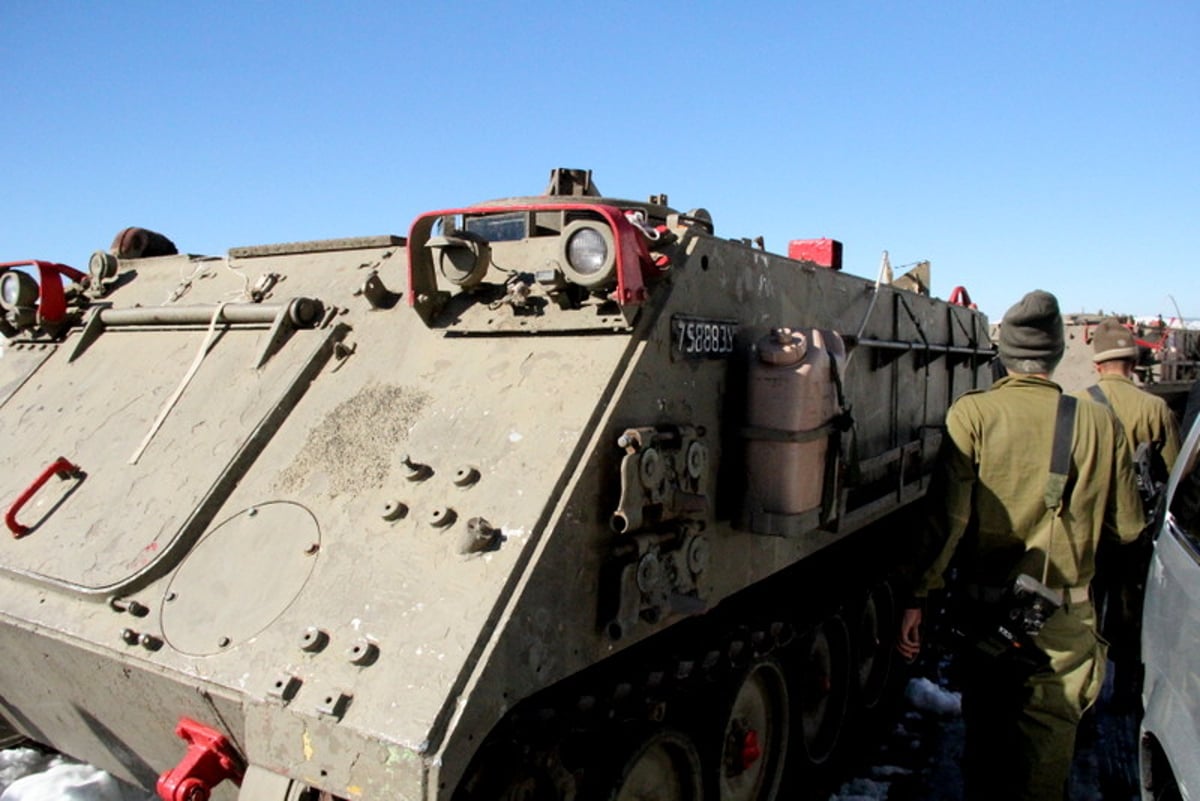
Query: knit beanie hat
x=1112 y=340
x=1031 y=334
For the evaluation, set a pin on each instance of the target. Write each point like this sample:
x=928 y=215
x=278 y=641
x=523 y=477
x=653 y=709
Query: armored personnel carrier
x=559 y=496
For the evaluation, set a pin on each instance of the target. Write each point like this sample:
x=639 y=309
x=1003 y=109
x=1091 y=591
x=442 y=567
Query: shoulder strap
x=1098 y=395
x=1060 y=466
x=1060 y=453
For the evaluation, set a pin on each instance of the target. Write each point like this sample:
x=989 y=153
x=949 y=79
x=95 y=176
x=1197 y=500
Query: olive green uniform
x=1119 y=584
x=991 y=508
x=1145 y=417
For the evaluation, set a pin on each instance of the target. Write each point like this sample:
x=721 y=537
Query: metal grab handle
x=60 y=467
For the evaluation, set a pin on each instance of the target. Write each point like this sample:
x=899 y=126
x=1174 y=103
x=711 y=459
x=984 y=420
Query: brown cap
x=1112 y=340
x=1031 y=334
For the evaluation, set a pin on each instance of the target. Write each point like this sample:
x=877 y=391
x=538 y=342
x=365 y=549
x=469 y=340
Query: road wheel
x=874 y=645
x=662 y=765
x=823 y=688
x=505 y=772
x=754 y=735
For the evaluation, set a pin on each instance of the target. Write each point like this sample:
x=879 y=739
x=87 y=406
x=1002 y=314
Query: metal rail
x=902 y=345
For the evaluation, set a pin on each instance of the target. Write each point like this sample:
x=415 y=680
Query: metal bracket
x=663 y=475
x=209 y=761
x=654 y=578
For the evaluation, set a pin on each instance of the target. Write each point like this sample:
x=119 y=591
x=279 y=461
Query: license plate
x=701 y=337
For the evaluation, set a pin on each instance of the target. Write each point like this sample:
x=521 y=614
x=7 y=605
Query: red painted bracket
x=751 y=750
x=60 y=467
x=633 y=261
x=52 y=302
x=209 y=760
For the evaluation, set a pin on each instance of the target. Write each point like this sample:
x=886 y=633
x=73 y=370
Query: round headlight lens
x=587 y=251
x=18 y=290
x=9 y=289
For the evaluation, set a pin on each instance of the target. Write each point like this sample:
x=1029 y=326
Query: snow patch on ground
x=929 y=705
x=862 y=790
x=27 y=774
x=926 y=696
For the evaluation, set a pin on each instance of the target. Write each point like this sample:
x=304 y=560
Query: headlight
x=18 y=290
x=462 y=259
x=589 y=253
x=102 y=267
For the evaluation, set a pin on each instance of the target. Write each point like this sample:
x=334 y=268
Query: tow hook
x=208 y=762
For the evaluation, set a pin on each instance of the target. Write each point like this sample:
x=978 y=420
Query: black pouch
x=1001 y=630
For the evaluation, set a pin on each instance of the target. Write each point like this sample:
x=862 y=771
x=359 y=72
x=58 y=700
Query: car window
x=1185 y=503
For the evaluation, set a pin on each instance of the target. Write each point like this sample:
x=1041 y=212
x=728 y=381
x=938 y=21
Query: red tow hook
x=208 y=762
x=60 y=467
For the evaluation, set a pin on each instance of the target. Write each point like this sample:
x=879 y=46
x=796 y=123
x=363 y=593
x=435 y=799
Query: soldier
x=1153 y=437
x=1146 y=418
x=996 y=502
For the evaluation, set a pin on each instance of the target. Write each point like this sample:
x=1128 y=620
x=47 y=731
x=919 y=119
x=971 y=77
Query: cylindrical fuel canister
x=791 y=395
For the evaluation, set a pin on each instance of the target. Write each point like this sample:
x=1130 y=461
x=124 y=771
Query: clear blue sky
x=1016 y=145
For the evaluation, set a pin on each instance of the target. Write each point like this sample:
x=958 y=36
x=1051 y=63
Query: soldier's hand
x=909 y=641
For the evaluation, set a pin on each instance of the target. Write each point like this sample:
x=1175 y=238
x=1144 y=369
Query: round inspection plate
x=240 y=577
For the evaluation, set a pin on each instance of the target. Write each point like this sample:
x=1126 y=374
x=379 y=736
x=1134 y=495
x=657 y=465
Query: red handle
x=62 y=468
x=960 y=297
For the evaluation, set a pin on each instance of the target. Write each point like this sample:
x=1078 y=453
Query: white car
x=1170 y=730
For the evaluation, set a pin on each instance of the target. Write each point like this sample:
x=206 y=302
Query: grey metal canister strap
x=764 y=434
x=1098 y=395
